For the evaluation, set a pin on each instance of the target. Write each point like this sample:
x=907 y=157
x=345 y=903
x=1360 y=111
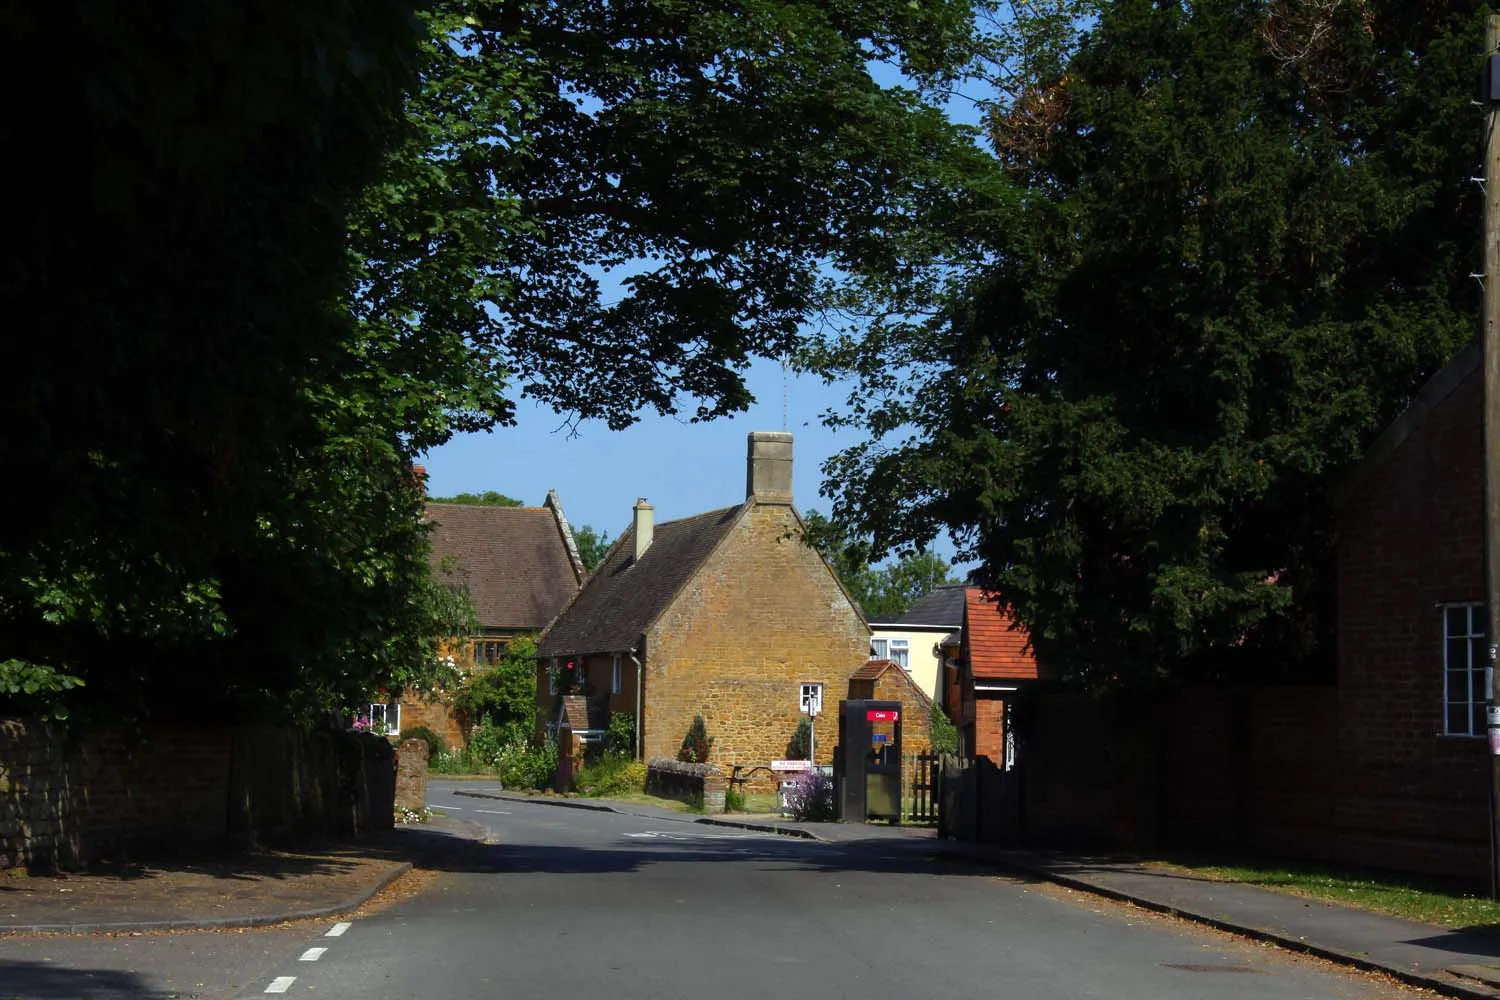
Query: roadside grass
x=1424 y=900
x=642 y=799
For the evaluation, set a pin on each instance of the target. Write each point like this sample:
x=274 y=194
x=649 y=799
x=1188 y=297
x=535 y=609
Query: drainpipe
x=640 y=700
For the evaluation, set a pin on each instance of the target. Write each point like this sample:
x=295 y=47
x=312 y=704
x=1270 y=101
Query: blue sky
x=681 y=468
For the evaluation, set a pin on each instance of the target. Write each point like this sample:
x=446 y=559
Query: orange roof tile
x=997 y=650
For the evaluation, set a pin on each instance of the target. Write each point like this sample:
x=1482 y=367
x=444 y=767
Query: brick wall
x=1410 y=537
x=762 y=616
x=916 y=708
x=67 y=798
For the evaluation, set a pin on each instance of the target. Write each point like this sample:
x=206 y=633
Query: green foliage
x=42 y=686
x=489 y=498
x=512 y=756
x=612 y=774
x=883 y=592
x=505 y=694
x=696 y=744
x=593 y=546
x=944 y=732
x=734 y=800
x=619 y=738
x=1244 y=243
x=436 y=745
x=799 y=747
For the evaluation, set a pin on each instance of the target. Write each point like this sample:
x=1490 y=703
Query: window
x=385 y=718
x=1465 y=655
x=614 y=675
x=901 y=653
x=877 y=649
x=478 y=653
x=552 y=676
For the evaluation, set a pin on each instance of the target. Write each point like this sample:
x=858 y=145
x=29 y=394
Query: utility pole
x=1490 y=346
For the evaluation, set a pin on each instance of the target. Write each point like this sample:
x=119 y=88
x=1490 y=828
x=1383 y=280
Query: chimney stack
x=645 y=523
x=768 y=467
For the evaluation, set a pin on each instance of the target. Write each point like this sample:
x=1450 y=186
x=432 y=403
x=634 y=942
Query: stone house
x=887 y=680
x=723 y=614
x=995 y=663
x=924 y=641
x=1412 y=767
x=521 y=566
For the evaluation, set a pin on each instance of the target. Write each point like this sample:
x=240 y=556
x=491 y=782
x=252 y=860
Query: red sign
x=881 y=715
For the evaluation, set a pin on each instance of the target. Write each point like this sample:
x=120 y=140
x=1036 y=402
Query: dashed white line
x=454 y=808
x=312 y=954
x=281 y=984
x=493 y=812
x=338 y=929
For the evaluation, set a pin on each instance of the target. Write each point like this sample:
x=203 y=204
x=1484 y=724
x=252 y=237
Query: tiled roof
x=622 y=597
x=871 y=670
x=515 y=561
x=996 y=651
x=943 y=606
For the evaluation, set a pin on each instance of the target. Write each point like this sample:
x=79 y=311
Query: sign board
x=880 y=737
x=881 y=715
x=791 y=765
x=812 y=699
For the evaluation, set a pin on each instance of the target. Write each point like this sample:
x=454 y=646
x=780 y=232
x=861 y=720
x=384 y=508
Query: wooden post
x=1490 y=345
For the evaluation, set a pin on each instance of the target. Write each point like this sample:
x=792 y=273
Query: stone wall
x=695 y=783
x=762 y=615
x=411 y=774
x=69 y=798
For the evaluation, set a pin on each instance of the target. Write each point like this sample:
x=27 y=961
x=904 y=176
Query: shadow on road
x=45 y=981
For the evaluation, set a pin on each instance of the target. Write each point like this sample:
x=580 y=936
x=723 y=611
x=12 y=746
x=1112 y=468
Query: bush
x=619 y=738
x=614 y=774
x=734 y=800
x=944 y=732
x=696 y=744
x=435 y=743
x=800 y=745
x=520 y=765
x=809 y=797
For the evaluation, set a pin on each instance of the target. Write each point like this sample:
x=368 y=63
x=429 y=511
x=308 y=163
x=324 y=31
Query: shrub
x=809 y=797
x=520 y=765
x=799 y=747
x=619 y=738
x=435 y=743
x=734 y=800
x=696 y=744
x=944 y=732
x=614 y=774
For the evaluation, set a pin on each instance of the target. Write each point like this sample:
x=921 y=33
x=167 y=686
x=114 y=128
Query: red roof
x=998 y=649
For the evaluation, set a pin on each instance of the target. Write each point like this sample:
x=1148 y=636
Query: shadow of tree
x=48 y=981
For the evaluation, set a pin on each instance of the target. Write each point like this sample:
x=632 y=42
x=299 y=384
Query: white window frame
x=385 y=714
x=877 y=649
x=899 y=652
x=614 y=675
x=552 y=669
x=1465 y=655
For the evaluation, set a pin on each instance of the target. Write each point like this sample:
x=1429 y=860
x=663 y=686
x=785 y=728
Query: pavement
x=276 y=887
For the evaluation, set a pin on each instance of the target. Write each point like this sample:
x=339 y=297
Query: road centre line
x=493 y=812
x=338 y=929
x=312 y=954
x=281 y=984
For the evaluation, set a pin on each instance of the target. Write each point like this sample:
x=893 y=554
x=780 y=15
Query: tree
x=489 y=498
x=593 y=546
x=1245 y=242
x=883 y=592
x=505 y=694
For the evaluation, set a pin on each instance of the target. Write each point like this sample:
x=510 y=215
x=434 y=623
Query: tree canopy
x=883 y=591
x=489 y=498
x=593 y=545
x=1244 y=240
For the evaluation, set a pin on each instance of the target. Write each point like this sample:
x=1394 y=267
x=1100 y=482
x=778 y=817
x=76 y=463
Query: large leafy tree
x=1245 y=240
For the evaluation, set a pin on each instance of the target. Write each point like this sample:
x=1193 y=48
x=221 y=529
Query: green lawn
x=1428 y=901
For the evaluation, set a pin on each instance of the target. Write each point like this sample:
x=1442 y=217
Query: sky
x=679 y=467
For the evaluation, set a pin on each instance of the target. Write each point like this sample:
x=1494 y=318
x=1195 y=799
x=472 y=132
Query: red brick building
x=994 y=663
x=1411 y=750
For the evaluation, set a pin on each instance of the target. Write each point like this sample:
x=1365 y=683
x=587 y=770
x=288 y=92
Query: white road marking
x=312 y=954
x=493 y=812
x=338 y=929
x=281 y=984
x=664 y=835
x=454 y=808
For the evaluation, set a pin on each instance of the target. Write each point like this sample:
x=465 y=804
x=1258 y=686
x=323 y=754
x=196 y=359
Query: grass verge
x=1424 y=900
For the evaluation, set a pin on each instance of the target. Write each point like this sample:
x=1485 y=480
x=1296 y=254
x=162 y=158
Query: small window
x=1465 y=655
x=478 y=653
x=385 y=719
x=877 y=648
x=901 y=653
x=552 y=676
x=614 y=675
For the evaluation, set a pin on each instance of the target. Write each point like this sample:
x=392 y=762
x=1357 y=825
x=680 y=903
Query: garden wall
x=694 y=783
x=69 y=797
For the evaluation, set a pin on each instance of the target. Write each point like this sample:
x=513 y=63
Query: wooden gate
x=919 y=774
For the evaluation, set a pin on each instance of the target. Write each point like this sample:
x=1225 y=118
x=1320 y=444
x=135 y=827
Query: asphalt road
x=563 y=904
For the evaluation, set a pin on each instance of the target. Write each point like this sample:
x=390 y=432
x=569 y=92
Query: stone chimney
x=768 y=467
x=645 y=524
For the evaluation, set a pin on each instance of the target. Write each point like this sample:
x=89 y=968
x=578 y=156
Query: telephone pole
x=1490 y=346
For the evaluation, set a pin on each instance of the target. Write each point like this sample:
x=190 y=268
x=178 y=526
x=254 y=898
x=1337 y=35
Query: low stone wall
x=694 y=783
x=69 y=797
x=411 y=774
